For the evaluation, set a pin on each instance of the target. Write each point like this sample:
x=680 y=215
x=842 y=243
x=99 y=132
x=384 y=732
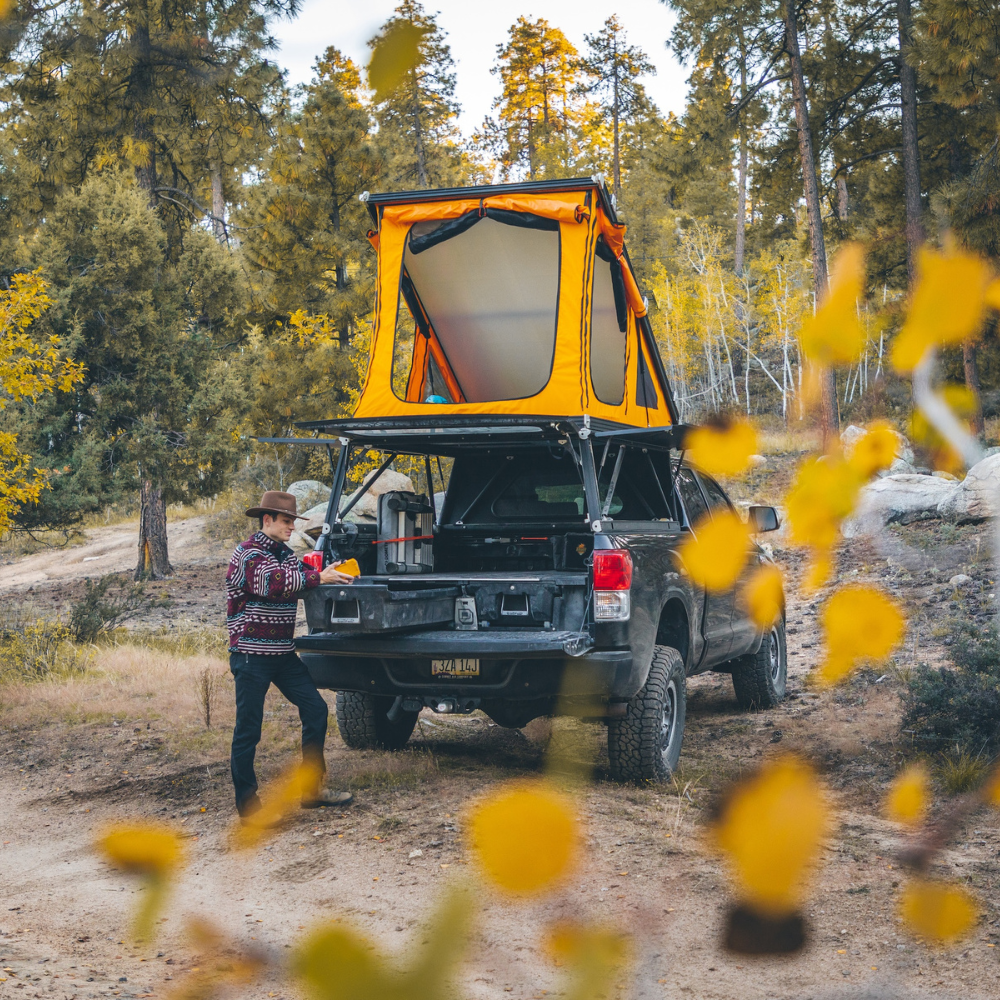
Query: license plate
x=455 y=668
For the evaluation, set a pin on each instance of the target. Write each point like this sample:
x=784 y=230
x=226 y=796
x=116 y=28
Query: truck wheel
x=364 y=725
x=759 y=678
x=646 y=744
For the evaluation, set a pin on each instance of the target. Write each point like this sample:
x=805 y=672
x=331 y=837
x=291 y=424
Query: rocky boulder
x=364 y=511
x=308 y=493
x=977 y=497
x=900 y=499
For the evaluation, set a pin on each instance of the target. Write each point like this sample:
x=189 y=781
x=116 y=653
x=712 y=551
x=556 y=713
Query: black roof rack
x=449 y=434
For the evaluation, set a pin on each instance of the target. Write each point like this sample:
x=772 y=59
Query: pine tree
x=614 y=67
x=540 y=117
x=158 y=406
x=303 y=231
x=418 y=132
x=175 y=91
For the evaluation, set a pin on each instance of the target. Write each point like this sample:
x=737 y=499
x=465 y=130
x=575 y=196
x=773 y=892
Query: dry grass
x=125 y=682
x=790 y=441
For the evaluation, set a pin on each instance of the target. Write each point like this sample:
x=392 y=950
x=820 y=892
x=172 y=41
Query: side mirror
x=762 y=519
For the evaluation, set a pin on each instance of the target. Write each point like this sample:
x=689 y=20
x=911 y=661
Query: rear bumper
x=514 y=666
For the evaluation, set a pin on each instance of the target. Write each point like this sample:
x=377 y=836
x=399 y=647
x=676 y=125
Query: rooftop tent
x=509 y=299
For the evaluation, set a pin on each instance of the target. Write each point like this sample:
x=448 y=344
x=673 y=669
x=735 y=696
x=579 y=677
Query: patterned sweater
x=263 y=584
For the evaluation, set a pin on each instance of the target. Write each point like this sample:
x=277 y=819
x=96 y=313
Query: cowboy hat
x=275 y=502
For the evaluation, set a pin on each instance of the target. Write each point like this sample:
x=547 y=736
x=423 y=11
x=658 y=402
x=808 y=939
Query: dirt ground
x=129 y=740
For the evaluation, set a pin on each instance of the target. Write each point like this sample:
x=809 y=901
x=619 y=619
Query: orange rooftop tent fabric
x=509 y=303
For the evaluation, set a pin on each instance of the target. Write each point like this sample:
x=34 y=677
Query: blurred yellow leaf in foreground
x=723 y=448
x=861 y=624
x=771 y=828
x=991 y=790
x=334 y=962
x=525 y=837
x=909 y=795
x=824 y=491
x=764 y=595
x=297 y=783
x=396 y=53
x=875 y=451
x=963 y=402
x=143 y=848
x=152 y=852
x=593 y=956
x=822 y=494
x=948 y=305
x=937 y=910
x=835 y=334
x=716 y=553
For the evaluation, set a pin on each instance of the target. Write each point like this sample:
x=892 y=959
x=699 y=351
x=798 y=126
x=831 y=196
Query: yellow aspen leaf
x=297 y=783
x=142 y=848
x=948 y=304
x=909 y=795
x=993 y=294
x=991 y=790
x=764 y=595
x=937 y=910
x=723 y=448
x=771 y=828
x=395 y=54
x=151 y=851
x=875 y=451
x=861 y=624
x=572 y=942
x=592 y=955
x=525 y=837
x=964 y=404
x=822 y=494
x=835 y=334
x=716 y=553
x=334 y=962
x=817 y=571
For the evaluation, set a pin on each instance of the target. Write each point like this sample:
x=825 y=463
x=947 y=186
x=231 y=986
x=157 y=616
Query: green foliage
x=107 y=603
x=173 y=92
x=33 y=648
x=157 y=400
x=959 y=705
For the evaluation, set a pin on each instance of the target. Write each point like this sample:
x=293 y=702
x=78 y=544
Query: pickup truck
x=543 y=579
x=513 y=368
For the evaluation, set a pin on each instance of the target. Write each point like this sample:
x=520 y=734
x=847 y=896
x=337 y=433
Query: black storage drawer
x=376 y=607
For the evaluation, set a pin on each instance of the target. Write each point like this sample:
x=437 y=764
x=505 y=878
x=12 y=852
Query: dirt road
x=70 y=769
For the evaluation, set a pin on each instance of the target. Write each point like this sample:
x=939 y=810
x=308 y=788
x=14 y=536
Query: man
x=263 y=585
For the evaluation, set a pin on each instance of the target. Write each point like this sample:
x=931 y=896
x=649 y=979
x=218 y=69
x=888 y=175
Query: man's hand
x=331 y=575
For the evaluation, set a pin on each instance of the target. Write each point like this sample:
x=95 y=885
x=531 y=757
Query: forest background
x=186 y=227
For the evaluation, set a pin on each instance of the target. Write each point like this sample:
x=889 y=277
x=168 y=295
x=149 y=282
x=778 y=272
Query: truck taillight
x=314 y=560
x=612 y=580
x=612 y=569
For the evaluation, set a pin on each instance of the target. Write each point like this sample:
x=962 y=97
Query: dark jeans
x=254 y=675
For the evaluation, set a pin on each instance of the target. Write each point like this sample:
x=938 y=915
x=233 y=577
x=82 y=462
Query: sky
x=474 y=29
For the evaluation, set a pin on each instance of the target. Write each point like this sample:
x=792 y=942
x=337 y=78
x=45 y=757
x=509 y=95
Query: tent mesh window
x=490 y=295
x=608 y=328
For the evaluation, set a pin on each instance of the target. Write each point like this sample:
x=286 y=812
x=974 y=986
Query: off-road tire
x=364 y=724
x=759 y=679
x=645 y=745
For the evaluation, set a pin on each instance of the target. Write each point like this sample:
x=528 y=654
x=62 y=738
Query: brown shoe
x=337 y=799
